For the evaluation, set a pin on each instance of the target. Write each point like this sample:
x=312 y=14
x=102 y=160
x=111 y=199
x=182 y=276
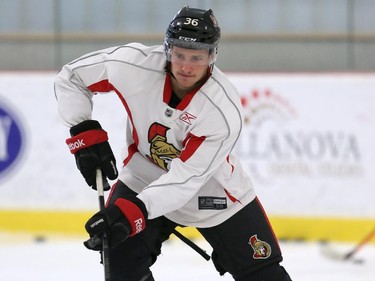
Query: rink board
x=59 y=223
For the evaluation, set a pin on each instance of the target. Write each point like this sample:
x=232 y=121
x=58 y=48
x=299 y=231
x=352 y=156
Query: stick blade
x=333 y=253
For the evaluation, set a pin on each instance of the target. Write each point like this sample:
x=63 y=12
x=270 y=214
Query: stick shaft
x=105 y=250
x=192 y=245
x=364 y=241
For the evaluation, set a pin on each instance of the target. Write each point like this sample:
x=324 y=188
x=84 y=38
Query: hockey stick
x=336 y=255
x=105 y=249
x=192 y=245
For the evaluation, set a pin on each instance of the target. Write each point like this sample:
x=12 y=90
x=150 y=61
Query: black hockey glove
x=122 y=220
x=89 y=144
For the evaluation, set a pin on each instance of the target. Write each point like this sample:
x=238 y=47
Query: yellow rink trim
x=71 y=223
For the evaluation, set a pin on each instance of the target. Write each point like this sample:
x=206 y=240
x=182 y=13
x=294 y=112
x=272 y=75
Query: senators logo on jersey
x=262 y=250
x=161 y=152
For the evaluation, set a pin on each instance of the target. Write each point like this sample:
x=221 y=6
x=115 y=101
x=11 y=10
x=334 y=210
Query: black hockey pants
x=244 y=246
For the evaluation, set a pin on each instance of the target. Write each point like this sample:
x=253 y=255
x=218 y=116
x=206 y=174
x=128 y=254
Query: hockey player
x=184 y=118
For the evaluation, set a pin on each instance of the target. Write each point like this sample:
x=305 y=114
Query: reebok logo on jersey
x=187 y=117
x=77 y=144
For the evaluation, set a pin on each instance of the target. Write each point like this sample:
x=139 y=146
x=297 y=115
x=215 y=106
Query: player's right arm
x=88 y=141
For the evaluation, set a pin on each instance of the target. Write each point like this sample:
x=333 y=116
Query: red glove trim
x=133 y=214
x=86 y=139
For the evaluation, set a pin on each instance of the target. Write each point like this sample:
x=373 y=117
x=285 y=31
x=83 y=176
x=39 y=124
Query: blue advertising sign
x=12 y=138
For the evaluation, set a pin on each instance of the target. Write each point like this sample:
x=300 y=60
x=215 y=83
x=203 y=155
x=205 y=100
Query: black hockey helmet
x=193 y=29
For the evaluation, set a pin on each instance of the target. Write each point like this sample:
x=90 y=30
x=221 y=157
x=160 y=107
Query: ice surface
x=68 y=260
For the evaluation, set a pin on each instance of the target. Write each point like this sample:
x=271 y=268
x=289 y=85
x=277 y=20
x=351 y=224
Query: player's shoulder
x=132 y=52
x=138 y=50
x=221 y=79
x=143 y=49
x=219 y=83
x=222 y=95
x=147 y=57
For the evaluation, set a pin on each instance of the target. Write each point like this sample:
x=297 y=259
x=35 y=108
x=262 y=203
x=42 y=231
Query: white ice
x=68 y=260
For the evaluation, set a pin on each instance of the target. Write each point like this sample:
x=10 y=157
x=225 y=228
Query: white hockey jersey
x=178 y=159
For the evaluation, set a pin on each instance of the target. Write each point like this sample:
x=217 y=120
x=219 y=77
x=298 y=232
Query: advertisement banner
x=308 y=142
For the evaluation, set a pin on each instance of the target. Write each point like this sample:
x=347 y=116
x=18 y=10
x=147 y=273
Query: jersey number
x=193 y=22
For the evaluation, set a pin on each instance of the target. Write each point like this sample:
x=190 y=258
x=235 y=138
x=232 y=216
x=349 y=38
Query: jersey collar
x=188 y=97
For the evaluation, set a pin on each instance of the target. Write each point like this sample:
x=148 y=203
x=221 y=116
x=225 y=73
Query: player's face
x=188 y=67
